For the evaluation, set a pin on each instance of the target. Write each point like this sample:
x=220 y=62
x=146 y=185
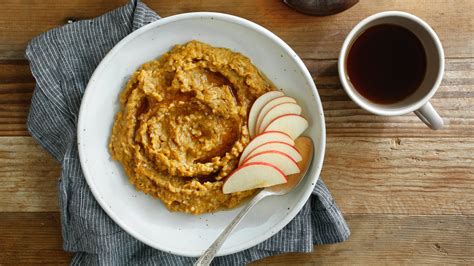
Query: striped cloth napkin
x=62 y=61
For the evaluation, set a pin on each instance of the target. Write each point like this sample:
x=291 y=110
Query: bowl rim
x=318 y=110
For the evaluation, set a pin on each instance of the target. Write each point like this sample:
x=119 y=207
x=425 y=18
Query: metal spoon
x=305 y=147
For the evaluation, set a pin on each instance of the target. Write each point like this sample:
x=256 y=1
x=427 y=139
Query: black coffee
x=386 y=63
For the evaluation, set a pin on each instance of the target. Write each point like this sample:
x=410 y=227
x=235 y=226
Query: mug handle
x=429 y=116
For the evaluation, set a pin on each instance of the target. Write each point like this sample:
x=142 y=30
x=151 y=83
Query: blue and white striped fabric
x=62 y=61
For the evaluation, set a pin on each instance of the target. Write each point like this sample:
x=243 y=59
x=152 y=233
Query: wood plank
x=454 y=100
x=311 y=37
x=20 y=21
x=27 y=238
x=430 y=175
x=16 y=87
x=378 y=239
x=28 y=176
x=31 y=239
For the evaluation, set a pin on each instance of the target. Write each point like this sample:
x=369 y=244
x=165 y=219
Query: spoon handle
x=210 y=253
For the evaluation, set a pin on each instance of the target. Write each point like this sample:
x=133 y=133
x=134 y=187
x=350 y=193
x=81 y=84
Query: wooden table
x=407 y=192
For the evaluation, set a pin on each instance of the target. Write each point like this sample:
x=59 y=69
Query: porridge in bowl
x=183 y=125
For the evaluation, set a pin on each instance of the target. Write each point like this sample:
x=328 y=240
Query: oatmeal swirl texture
x=182 y=125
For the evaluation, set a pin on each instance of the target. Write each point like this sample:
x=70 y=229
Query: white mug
x=418 y=102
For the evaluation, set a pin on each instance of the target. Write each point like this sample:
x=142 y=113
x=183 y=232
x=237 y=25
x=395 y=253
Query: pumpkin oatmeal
x=183 y=125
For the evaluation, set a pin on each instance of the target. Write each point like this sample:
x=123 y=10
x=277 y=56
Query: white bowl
x=146 y=218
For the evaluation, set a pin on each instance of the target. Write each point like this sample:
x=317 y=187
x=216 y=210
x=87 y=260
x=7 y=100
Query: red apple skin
x=272 y=151
x=278 y=118
x=254 y=164
x=255 y=110
x=273 y=131
x=269 y=124
x=260 y=115
x=293 y=147
x=259 y=129
x=244 y=151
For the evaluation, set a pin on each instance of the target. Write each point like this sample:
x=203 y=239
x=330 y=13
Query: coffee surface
x=386 y=63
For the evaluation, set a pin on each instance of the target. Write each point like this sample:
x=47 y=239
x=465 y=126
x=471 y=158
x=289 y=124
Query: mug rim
x=373 y=107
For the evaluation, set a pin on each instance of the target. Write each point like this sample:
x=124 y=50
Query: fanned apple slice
x=264 y=138
x=253 y=175
x=276 y=111
x=257 y=106
x=274 y=102
x=279 y=159
x=286 y=148
x=291 y=124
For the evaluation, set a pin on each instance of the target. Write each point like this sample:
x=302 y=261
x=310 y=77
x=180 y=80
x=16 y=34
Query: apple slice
x=264 y=138
x=253 y=175
x=279 y=159
x=278 y=110
x=257 y=106
x=291 y=124
x=274 y=102
x=283 y=147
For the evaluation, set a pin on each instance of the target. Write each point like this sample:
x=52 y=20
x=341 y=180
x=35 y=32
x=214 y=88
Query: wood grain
x=16 y=87
x=454 y=101
x=311 y=37
x=365 y=174
x=393 y=240
x=428 y=175
x=28 y=176
x=21 y=21
x=34 y=238
x=31 y=239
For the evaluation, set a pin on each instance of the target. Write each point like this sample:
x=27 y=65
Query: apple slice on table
x=257 y=106
x=283 y=147
x=279 y=159
x=264 y=138
x=274 y=102
x=253 y=175
x=291 y=124
x=276 y=111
